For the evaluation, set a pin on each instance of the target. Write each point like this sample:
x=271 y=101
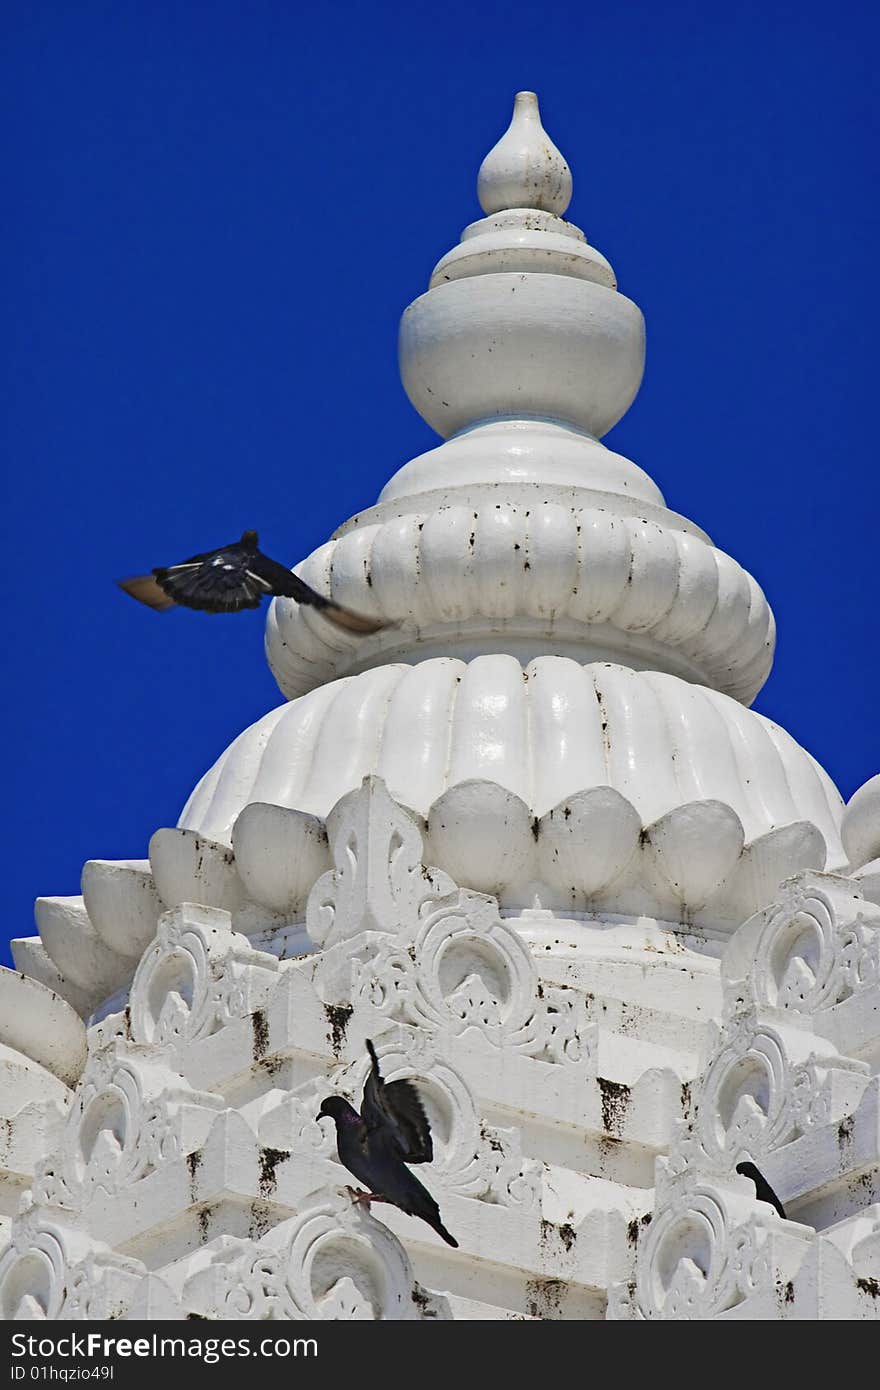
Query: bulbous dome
x=544 y=732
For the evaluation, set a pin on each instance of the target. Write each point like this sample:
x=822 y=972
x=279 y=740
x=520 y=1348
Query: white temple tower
x=531 y=840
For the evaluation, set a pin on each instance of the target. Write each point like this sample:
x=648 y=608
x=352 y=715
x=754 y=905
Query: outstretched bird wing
x=394 y=1108
x=234 y=577
x=217 y=581
x=222 y=581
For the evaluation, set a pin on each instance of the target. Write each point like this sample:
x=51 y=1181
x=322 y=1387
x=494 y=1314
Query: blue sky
x=217 y=213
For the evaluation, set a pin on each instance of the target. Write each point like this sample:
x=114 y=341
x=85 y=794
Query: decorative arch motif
x=463 y=968
x=709 y=1249
x=333 y=1261
x=816 y=946
x=52 y=1270
x=695 y=1265
x=128 y=1119
x=32 y=1275
x=196 y=976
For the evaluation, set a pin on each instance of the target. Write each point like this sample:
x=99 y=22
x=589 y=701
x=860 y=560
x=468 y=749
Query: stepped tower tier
x=531 y=841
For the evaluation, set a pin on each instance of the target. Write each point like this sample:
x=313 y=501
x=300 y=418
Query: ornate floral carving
x=764 y=1087
x=333 y=1261
x=463 y=967
x=447 y=960
x=196 y=976
x=707 y=1251
x=426 y=952
x=32 y=1274
x=379 y=882
x=293 y=1123
x=752 y=1098
x=54 y=1270
x=818 y=944
x=102 y=1287
x=131 y=1114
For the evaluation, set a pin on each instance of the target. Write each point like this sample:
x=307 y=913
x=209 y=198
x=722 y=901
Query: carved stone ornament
x=52 y=1269
x=334 y=1261
x=764 y=1086
x=379 y=882
x=132 y=1113
x=708 y=1251
x=815 y=946
x=425 y=952
x=196 y=976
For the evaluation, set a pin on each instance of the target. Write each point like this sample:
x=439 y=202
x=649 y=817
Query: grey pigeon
x=763 y=1191
x=376 y=1145
x=234 y=577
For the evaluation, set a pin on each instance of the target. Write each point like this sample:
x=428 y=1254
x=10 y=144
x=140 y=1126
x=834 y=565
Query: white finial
x=525 y=169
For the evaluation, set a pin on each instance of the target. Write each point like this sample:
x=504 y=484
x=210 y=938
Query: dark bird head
x=250 y=540
x=763 y=1191
x=339 y=1110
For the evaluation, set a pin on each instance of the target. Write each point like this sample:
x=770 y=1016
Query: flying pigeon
x=376 y=1145
x=763 y=1191
x=234 y=577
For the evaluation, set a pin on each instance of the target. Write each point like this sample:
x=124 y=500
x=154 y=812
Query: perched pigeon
x=763 y=1191
x=376 y=1145
x=234 y=577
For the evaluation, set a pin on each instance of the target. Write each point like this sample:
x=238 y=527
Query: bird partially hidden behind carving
x=234 y=577
x=763 y=1191
x=376 y=1145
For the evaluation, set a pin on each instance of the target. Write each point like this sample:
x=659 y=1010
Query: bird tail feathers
x=442 y=1231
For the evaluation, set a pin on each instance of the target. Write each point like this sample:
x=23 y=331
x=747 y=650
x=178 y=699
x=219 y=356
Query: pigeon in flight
x=234 y=577
x=763 y=1191
x=376 y=1145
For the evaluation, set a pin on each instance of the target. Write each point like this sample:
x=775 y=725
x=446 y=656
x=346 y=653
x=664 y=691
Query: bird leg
x=365 y=1197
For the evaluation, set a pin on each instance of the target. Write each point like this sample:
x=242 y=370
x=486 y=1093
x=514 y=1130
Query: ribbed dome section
x=579 y=581
x=543 y=733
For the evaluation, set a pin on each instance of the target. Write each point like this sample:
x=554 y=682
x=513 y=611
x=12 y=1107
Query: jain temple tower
x=531 y=841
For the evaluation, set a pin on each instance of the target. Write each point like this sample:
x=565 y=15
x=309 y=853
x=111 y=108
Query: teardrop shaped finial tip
x=525 y=169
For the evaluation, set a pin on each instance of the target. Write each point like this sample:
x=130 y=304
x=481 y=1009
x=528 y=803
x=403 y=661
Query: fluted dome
x=541 y=577
x=543 y=733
